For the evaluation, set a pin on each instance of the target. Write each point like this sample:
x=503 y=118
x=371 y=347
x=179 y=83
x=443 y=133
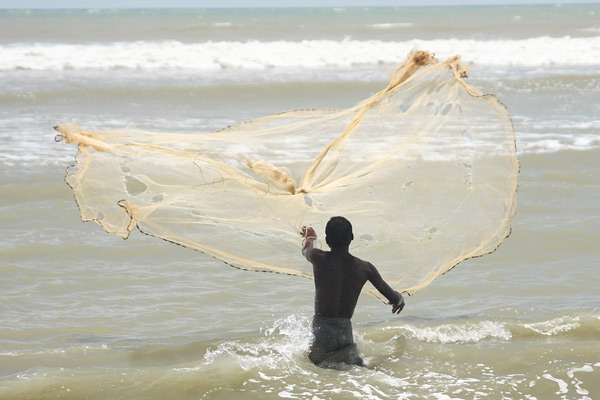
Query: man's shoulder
x=315 y=254
x=365 y=265
x=361 y=262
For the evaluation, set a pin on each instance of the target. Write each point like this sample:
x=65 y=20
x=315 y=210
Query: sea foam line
x=539 y=51
x=470 y=332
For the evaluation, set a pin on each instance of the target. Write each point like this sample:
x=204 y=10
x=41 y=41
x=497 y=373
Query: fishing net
x=425 y=169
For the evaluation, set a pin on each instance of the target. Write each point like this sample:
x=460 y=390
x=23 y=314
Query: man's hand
x=396 y=308
x=308 y=233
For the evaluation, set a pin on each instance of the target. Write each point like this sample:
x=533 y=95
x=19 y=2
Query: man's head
x=338 y=232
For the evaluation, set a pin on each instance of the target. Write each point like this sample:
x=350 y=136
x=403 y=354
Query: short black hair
x=338 y=232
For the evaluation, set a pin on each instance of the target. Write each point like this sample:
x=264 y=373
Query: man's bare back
x=339 y=279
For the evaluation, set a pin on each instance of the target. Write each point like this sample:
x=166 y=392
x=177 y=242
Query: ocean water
x=87 y=315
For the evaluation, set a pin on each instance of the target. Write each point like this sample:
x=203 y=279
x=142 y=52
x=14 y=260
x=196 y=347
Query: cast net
x=426 y=171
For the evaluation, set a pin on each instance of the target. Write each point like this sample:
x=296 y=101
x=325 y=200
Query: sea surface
x=87 y=315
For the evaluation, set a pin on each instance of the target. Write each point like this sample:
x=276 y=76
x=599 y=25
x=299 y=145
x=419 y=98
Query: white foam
x=458 y=333
x=390 y=25
x=554 y=326
x=547 y=142
x=591 y=29
x=224 y=25
x=563 y=387
x=144 y=55
x=285 y=341
x=577 y=382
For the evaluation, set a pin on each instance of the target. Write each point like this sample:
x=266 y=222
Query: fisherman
x=339 y=279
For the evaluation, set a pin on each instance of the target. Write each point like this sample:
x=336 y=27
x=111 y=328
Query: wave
x=144 y=55
x=577 y=326
x=468 y=332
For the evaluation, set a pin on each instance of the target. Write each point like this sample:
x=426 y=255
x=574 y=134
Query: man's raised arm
x=309 y=236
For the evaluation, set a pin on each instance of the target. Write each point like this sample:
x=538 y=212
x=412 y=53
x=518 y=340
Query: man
x=339 y=279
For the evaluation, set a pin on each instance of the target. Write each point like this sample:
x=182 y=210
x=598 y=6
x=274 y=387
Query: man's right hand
x=396 y=308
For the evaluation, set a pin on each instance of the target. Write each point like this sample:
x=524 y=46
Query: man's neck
x=340 y=250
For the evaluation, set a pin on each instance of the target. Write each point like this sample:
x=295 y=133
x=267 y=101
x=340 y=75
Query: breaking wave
x=148 y=55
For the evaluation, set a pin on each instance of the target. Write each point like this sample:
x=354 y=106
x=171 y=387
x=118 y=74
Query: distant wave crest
x=143 y=55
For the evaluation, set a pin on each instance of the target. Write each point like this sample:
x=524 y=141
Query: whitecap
x=155 y=55
x=390 y=25
x=457 y=332
x=554 y=326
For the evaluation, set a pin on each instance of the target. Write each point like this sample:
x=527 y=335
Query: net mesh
x=426 y=170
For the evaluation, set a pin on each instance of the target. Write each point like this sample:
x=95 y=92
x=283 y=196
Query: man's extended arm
x=395 y=299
